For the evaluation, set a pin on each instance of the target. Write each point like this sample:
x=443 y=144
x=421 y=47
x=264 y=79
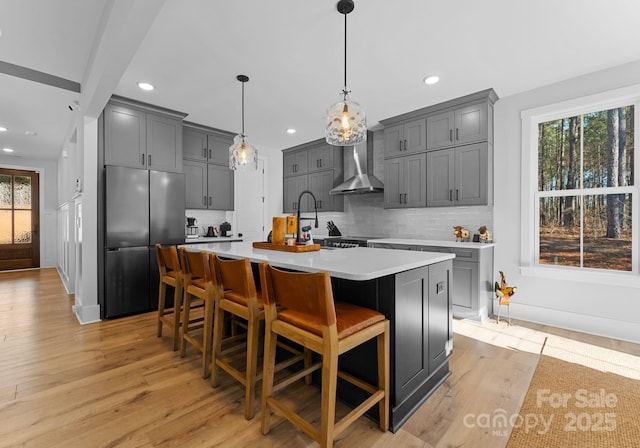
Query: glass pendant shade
x=346 y=123
x=242 y=154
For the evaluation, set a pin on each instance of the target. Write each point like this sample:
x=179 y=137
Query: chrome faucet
x=315 y=206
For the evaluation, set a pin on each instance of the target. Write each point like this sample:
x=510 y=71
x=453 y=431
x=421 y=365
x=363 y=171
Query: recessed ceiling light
x=7 y=149
x=432 y=79
x=291 y=131
x=3 y=129
x=145 y=86
x=31 y=133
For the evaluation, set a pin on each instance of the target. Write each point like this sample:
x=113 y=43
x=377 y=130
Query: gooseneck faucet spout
x=315 y=207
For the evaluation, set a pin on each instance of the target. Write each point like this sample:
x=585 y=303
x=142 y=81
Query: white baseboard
x=599 y=326
x=88 y=314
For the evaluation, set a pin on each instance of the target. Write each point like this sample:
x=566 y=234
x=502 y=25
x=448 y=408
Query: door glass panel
x=5 y=191
x=5 y=226
x=22 y=229
x=22 y=192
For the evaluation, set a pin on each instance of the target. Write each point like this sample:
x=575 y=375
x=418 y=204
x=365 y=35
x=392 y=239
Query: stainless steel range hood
x=363 y=181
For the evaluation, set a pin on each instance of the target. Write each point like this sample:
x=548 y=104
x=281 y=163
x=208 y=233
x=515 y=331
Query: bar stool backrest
x=307 y=293
x=235 y=275
x=195 y=265
x=168 y=260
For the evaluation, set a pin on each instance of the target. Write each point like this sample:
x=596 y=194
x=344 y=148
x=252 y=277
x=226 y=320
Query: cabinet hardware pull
x=210 y=154
x=209 y=200
x=400 y=145
x=149 y=159
x=319 y=204
x=457 y=134
x=457 y=195
x=295 y=206
x=451 y=195
x=142 y=159
x=401 y=198
x=450 y=135
x=405 y=144
x=320 y=163
x=405 y=198
x=205 y=201
x=204 y=152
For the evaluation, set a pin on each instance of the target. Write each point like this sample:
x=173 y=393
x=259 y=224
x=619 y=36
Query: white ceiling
x=293 y=54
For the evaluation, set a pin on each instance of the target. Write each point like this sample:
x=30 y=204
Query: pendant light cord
x=345 y=54
x=243 y=109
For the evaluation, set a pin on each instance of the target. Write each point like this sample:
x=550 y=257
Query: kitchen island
x=412 y=289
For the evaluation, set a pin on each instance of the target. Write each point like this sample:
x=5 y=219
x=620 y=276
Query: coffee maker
x=225 y=228
x=192 y=228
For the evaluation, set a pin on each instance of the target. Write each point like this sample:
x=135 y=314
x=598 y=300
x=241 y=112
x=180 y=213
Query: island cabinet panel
x=418 y=304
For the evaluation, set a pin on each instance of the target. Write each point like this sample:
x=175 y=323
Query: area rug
x=570 y=404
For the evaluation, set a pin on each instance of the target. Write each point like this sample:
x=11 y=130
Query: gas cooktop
x=343 y=242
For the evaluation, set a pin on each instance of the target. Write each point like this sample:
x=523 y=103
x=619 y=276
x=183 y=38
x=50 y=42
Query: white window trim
x=529 y=184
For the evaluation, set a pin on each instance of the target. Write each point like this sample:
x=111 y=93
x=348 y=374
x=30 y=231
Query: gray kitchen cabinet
x=208 y=186
x=458 y=176
x=206 y=144
x=463 y=125
x=209 y=181
x=293 y=186
x=405 y=138
x=295 y=163
x=422 y=303
x=472 y=276
x=220 y=187
x=405 y=181
x=314 y=166
x=195 y=174
x=142 y=137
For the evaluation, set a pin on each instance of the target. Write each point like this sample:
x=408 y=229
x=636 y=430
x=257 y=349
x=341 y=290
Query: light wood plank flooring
x=115 y=384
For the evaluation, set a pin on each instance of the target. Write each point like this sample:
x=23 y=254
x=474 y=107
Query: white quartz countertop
x=436 y=243
x=357 y=263
x=208 y=239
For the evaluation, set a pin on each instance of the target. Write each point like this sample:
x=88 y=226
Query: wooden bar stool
x=236 y=294
x=300 y=307
x=199 y=284
x=170 y=274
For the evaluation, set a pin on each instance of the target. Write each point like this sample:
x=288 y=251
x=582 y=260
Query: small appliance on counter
x=333 y=229
x=192 y=228
x=225 y=229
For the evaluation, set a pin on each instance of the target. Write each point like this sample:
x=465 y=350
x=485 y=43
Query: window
x=580 y=195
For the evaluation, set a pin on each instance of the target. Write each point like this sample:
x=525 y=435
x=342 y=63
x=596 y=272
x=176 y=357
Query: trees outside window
x=585 y=195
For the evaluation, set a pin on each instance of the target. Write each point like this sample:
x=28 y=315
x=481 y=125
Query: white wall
x=599 y=309
x=48 y=203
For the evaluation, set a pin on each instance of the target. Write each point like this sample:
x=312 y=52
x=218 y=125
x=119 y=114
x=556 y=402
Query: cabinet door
x=393 y=140
x=293 y=186
x=440 y=130
x=125 y=137
x=471 y=174
x=465 y=287
x=415 y=136
x=415 y=180
x=471 y=124
x=393 y=183
x=439 y=310
x=295 y=163
x=220 y=187
x=164 y=143
x=194 y=145
x=320 y=158
x=319 y=184
x=195 y=174
x=440 y=178
x=218 y=148
x=411 y=342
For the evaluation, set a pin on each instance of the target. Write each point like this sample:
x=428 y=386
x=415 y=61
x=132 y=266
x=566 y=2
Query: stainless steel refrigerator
x=142 y=208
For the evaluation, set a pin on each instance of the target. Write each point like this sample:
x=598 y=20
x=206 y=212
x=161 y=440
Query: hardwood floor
x=114 y=383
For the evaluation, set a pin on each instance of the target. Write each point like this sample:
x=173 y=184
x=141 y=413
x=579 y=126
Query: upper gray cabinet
x=209 y=181
x=315 y=166
x=405 y=180
x=139 y=136
x=405 y=138
x=206 y=146
x=467 y=124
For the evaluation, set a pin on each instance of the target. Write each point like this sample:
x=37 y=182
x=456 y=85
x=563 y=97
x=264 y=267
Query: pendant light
x=346 y=120
x=242 y=155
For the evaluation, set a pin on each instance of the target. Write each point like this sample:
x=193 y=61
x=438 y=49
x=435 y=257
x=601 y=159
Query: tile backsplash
x=205 y=218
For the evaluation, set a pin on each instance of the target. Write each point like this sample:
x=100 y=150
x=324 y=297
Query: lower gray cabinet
x=208 y=186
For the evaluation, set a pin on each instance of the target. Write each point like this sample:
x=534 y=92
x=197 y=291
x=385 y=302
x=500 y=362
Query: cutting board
x=285 y=248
